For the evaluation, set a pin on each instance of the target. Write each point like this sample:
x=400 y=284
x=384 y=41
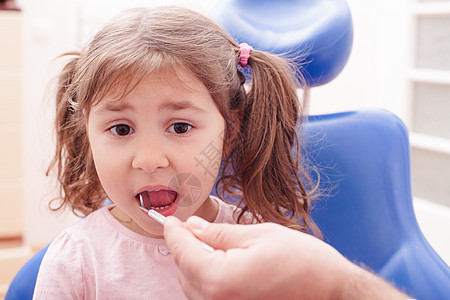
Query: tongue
x=158 y=198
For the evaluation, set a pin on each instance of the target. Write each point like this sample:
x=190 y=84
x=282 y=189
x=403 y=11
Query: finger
x=189 y=290
x=226 y=236
x=192 y=259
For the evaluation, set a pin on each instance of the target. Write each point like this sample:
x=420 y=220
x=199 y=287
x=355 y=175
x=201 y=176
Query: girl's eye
x=180 y=128
x=121 y=130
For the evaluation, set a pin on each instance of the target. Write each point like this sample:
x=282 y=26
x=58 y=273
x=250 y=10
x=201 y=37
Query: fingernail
x=197 y=223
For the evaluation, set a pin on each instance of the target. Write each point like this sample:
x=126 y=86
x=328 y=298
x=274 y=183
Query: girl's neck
x=208 y=210
x=129 y=223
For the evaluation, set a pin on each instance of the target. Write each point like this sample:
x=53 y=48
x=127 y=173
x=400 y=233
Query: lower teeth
x=160 y=207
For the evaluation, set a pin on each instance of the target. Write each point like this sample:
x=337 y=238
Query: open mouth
x=162 y=200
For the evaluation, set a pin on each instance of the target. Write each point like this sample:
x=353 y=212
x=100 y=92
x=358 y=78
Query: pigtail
x=266 y=167
x=78 y=182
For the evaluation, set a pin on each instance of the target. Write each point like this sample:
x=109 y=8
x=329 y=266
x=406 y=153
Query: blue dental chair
x=363 y=157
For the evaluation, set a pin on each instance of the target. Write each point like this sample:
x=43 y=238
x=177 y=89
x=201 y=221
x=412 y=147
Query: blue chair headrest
x=319 y=30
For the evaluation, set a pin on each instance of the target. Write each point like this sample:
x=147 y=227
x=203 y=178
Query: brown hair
x=260 y=166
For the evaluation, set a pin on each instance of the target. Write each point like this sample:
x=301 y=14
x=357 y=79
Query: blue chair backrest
x=22 y=286
x=366 y=212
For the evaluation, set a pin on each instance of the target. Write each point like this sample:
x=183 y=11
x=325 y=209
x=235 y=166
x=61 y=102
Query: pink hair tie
x=244 y=54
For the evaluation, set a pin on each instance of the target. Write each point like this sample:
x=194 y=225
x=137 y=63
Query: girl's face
x=163 y=142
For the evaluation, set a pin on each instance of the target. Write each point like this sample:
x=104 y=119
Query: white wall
x=374 y=77
x=47 y=33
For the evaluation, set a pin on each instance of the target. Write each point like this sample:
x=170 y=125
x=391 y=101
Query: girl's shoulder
x=86 y=230
x=229 y=213
x=91 y=223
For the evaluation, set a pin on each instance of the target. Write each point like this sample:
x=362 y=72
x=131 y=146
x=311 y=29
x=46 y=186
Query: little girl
x=154 y=107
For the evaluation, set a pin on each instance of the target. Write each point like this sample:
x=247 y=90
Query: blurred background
x=400 y=61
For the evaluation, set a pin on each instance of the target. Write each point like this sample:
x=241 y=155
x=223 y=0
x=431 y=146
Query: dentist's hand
x=265 y=261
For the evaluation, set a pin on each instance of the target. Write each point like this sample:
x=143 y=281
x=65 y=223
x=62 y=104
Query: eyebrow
x=170 y=105
x=181 y=105
x=114 y=106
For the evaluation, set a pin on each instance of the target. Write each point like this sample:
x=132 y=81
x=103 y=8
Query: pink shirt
x=99 y=258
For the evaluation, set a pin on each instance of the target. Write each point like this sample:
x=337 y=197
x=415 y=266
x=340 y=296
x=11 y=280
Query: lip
x=165 y=211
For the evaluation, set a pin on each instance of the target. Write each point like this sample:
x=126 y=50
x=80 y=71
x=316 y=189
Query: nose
x=150 y=154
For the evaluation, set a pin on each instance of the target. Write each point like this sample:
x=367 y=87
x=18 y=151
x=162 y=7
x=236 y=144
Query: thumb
x=223 y=236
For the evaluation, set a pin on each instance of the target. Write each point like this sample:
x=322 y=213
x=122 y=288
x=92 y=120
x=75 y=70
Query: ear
x=232 y=131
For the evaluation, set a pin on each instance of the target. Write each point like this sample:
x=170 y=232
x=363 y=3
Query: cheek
x=106 y=164
x=104 y=171
x=208 y=160
x=199 y=167
x=113 y=178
